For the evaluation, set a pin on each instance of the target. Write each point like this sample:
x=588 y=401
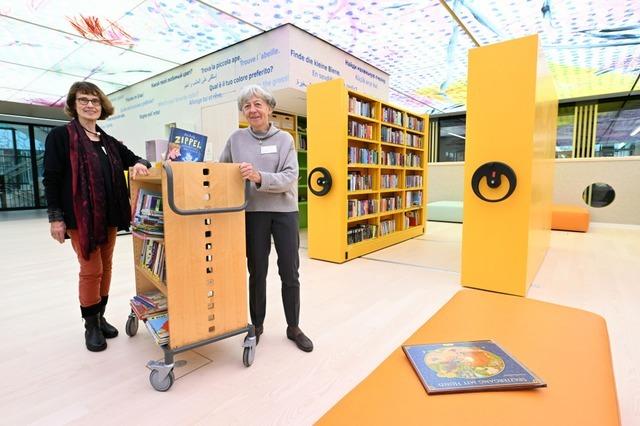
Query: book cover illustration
x=185 y=145
x=468 y=366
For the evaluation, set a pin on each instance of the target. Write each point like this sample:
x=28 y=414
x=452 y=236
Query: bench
x=568 y=348
x=569 y=218
x=445 y=211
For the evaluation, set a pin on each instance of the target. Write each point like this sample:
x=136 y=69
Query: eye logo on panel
x=322 y=184
x=494 y=173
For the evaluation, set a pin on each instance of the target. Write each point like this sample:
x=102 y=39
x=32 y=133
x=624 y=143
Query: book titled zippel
x=468 y=366
x=185 y=145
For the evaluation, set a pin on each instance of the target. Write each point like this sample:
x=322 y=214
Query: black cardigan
x=57 y=174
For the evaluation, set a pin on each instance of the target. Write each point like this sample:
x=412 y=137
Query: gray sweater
x=274 y=156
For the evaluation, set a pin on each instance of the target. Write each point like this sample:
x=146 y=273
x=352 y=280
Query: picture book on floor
x=468 y=366
x=185 y=145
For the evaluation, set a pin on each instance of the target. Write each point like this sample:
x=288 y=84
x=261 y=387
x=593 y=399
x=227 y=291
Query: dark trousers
x=260 y=226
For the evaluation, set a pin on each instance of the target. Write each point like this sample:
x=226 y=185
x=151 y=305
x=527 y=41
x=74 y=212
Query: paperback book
x=468 y=366
x=185 y=145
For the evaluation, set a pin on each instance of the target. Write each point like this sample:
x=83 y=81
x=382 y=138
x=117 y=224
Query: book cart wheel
x=160 y=383
x=131 y=327
x=248 y=355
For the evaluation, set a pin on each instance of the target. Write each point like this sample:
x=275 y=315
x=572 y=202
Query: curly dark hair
x=88 y=89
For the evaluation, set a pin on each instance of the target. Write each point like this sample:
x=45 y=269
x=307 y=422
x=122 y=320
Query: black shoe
x=259 y=329
x=107 y=329
x=94 y=339
x=302 y=342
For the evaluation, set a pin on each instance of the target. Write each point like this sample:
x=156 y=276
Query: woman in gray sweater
x=268 y=159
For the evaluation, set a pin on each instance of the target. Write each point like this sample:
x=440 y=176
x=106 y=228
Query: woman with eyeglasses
x=88 y=200
x=267 y=158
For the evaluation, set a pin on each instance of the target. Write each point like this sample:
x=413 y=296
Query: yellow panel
x=327 y=110
x=511 y=118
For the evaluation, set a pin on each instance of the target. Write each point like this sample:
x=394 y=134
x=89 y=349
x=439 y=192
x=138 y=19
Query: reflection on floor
x=356 y=313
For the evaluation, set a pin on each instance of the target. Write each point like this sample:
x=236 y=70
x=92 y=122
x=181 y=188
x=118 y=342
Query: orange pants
x=95 y=273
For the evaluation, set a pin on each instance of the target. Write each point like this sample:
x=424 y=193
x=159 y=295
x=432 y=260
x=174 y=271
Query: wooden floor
x=356 y=314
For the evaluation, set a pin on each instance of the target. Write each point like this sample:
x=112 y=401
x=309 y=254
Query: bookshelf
x=296 y=125
x=205 y=276
x=376 y=155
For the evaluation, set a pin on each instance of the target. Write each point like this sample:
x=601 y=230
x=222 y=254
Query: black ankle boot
x=94 y=339
x=108 y=330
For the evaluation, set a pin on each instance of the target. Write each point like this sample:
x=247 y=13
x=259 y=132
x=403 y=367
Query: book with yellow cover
x=468 y=366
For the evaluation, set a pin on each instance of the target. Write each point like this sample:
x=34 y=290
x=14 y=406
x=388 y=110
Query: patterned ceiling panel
x=115 y=65
x=61 y=15
x=28 y=44
x=410 y=40
x=593 y=46
x=181 y=31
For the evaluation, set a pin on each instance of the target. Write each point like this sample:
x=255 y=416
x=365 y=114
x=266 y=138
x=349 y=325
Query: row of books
x=361 y=232
x=357 y=155
x=152 y=257
x=390 y=115
x=357 y=182
x=391 y=135
x=357 y=106
x=414 y=199
x=301 y=143
x=361 y=207
x=387 y=227
x=390 y=203
x=362 y=155
x=411 y=219
x=412 y=181
x=389 y=181
x=366 y=231
x=148 y=217
x=360 y=130
x=414 y=141
x=412 y=160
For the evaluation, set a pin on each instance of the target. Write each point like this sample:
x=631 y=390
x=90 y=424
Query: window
x=618 y=128
x=564 y=137
x=18 y=143
x=16 y=178
x=452 y=139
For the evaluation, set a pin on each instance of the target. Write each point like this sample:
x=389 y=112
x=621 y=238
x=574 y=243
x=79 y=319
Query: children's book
x=468 y=366
x=185 y=145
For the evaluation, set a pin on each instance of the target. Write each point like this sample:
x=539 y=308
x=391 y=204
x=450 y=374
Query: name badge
x=268 y=149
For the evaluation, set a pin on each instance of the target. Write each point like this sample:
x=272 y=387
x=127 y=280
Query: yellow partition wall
x=511 y=118
x=330 y=128
x=327 y=112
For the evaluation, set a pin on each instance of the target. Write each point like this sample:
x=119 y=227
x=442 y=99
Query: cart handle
x=179 y=211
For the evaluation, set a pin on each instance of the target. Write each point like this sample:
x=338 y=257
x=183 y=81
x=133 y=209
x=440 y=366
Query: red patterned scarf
x=88 y=189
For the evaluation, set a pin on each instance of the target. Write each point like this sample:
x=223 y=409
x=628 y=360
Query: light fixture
x=635 y=131
x=457 y=136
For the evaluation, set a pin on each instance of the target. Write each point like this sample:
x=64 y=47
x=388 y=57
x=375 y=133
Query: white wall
x=572 y=176
x=284 y=60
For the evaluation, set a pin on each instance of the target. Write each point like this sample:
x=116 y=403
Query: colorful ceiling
x=592 y=46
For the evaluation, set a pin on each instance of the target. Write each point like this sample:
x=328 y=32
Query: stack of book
x=158 y=326
x=152 y=309
x=148 y=304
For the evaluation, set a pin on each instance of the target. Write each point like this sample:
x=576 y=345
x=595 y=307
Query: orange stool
x=568 y=348
x=569 y=218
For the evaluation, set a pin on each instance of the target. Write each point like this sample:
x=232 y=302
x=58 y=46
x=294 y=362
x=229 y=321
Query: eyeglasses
x=85 y=101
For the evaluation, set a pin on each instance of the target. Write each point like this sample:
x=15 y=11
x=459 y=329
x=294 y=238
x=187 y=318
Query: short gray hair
x=252 y=90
